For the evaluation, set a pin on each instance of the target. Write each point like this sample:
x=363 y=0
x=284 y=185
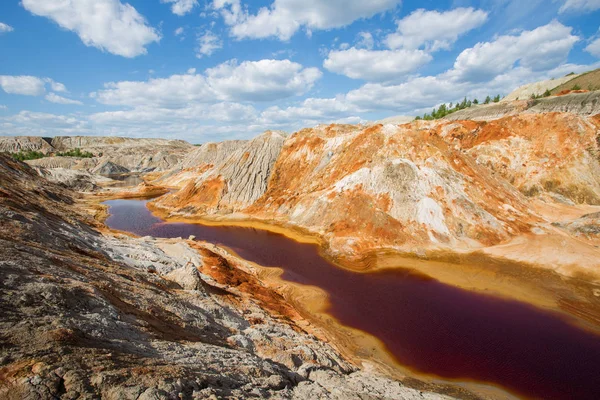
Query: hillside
x=586 y=81
x=424 y=185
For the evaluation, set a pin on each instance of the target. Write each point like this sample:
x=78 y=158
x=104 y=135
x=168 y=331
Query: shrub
x=75 y=153
x=27 y=155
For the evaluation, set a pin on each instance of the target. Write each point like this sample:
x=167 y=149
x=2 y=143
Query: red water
x=428 y=326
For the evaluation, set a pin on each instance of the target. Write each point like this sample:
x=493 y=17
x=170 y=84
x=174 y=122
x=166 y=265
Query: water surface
x=428 y=326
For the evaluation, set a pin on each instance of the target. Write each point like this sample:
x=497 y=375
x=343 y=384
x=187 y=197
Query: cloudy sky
x=206 y=70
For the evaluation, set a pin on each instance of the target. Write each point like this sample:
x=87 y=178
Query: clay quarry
x=401 y=259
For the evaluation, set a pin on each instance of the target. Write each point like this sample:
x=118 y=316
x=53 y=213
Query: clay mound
x=77 y=180
x=581 y=103
x=362 y=188
x=538 y=88
x=210 y=153
x=235 y=181
x=55 y=162
x=15 y=144
x=587 y=81
x=109 y=168
x=555 y=152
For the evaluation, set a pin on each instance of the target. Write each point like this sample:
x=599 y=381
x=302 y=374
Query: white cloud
x=105 y=24
x=262 y=80
x=42 y=124
x=5 y=28
x=179 y=31
x=208 y=43
x=311 y=110
x=284 y=17
x=594 y=48
x=181 y=7
x=3 y=107
x=580 y=5
x=365 y=41
x=434 y=30
x=24 y=85
x=54 y=98
x=552 y=44
x=376 y=65
x=29 y=85
x=56 y=86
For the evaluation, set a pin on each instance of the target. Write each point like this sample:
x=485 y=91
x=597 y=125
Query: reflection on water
x=125 y=180
x=425 y=324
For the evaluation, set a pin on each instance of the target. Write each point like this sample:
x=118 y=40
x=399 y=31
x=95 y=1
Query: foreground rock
x=91 y=315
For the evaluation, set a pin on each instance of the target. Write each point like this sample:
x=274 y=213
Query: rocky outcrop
x=585 y=104
x=77 y=180
x=91 y=315
x=233 y=182
x=107 y=167
x=15 y=144
x=554 y=153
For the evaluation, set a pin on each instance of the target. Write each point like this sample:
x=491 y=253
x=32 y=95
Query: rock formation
x=425 y=185
x=233 y=182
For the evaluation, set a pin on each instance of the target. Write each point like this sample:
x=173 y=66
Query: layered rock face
x=91 y=315
x=231 y=182
x=123 y=154
x=15 y=144
x=461 y=185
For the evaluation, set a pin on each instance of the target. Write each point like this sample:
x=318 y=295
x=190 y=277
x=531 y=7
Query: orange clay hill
x=492 y=186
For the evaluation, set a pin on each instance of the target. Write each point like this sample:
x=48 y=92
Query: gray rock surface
x=127 y=154
x=14 y=144
x=78 y=180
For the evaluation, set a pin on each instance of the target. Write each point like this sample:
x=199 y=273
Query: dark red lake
x=426 y=325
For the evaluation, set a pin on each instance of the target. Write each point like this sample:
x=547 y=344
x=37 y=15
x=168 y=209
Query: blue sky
x=224 y=69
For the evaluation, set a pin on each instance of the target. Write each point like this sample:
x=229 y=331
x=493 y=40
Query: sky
x=211 y=70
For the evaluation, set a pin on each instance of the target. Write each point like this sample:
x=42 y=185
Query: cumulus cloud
x=24 y=85
x=376 y=65
x=208 y=43
x=579 y=5
x=54 y=98
x=108 y=25
x=181 y=7
x=284 y=17
x=29 y=85
x=42 y=124
x=552 y=44
x=263 y=80
x=433 y=30
x=5 y=28
x=594 y=48
x=365 y=40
